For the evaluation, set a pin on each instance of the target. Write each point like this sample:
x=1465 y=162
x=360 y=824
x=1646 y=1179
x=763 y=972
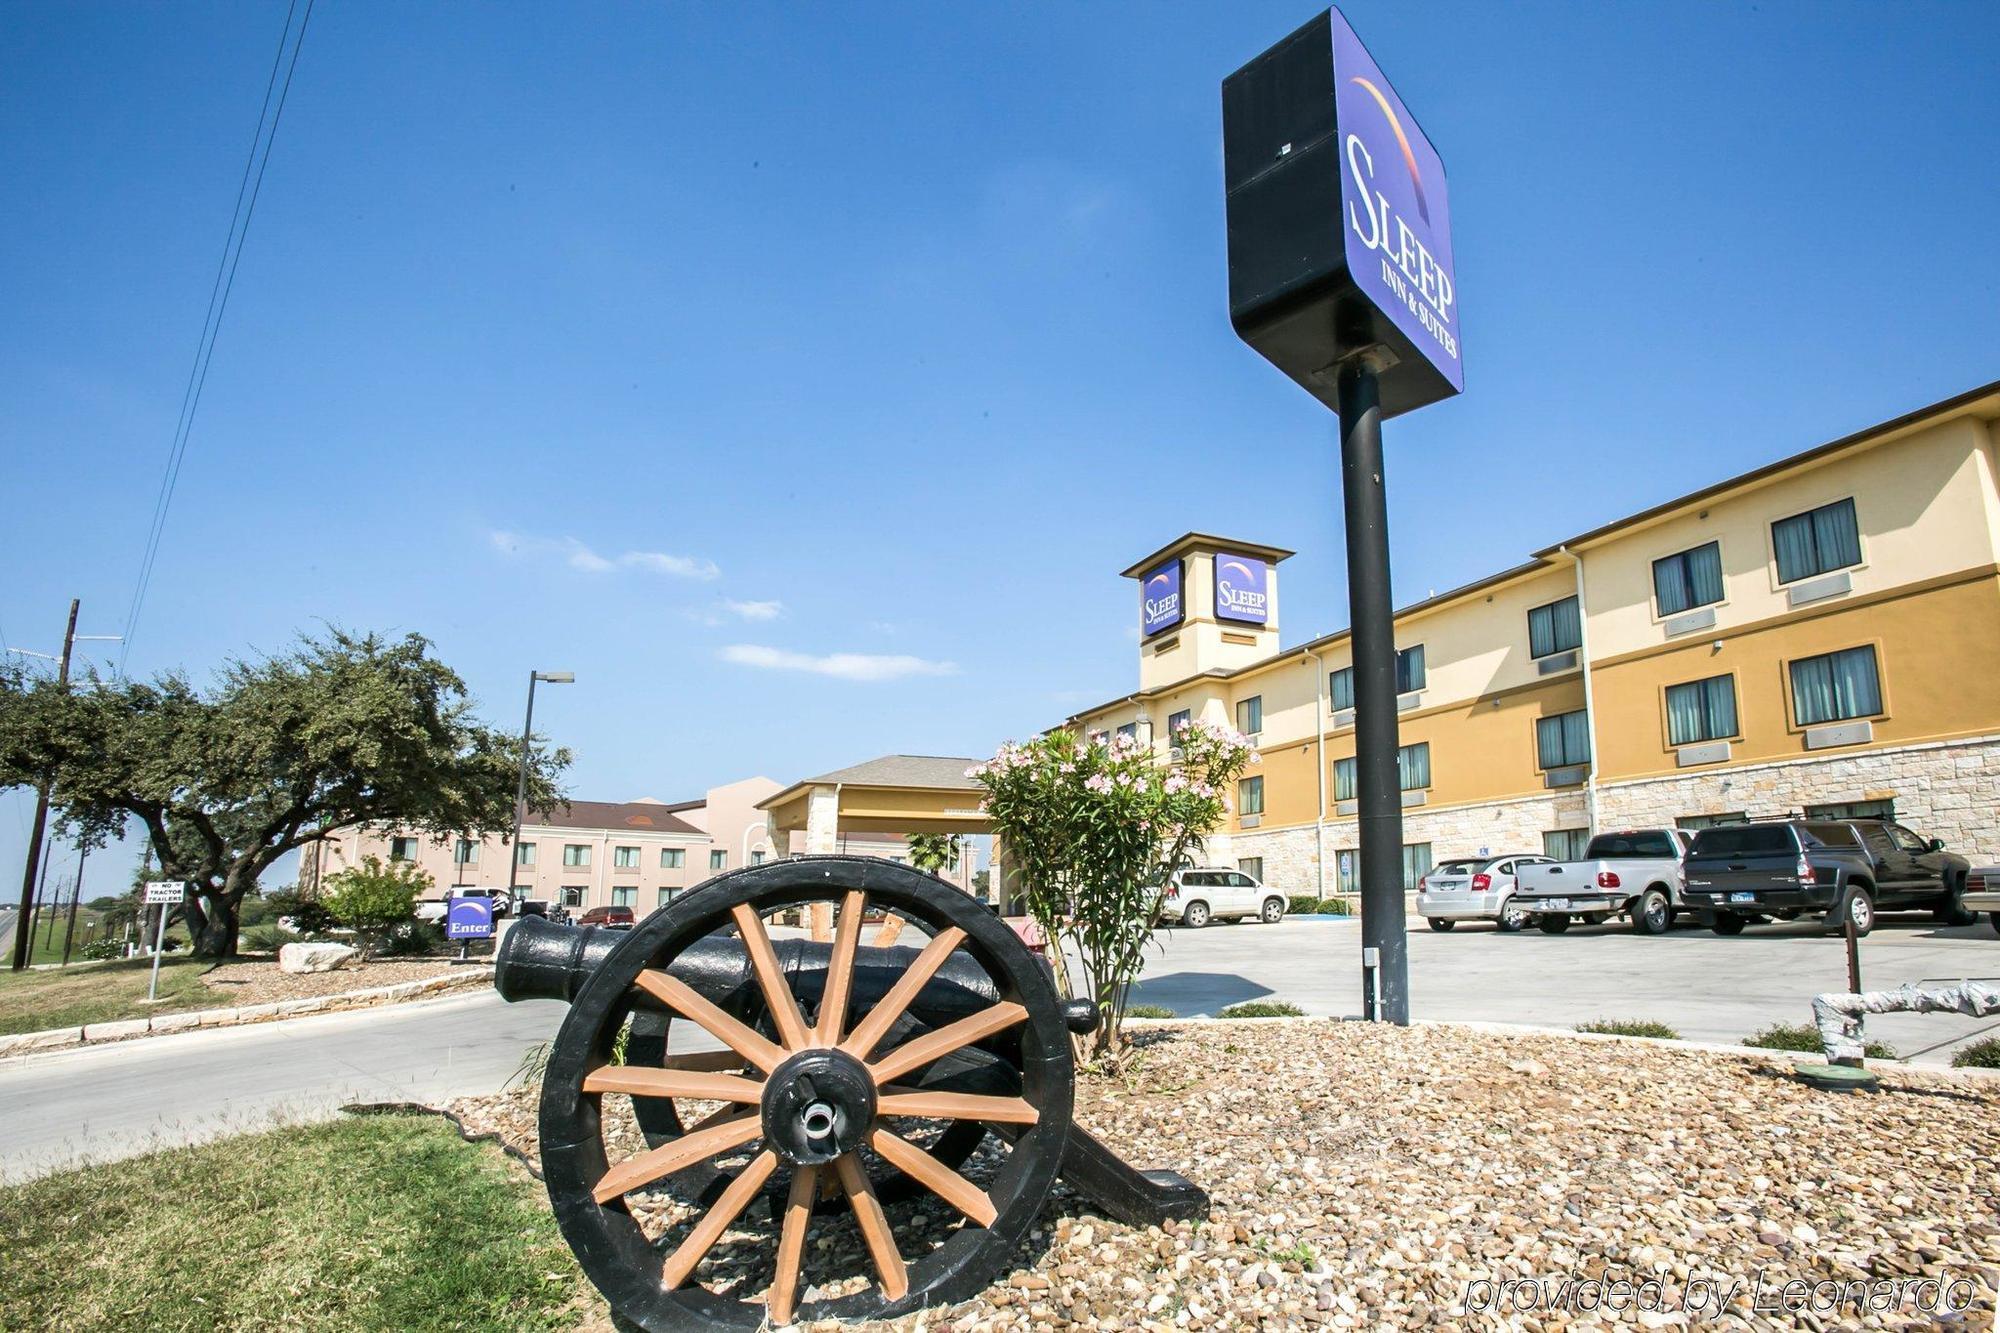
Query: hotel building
x=1820 y=635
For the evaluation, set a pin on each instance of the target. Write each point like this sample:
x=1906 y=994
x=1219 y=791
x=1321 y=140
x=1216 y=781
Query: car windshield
x=1744 y=839
x=1616 y=846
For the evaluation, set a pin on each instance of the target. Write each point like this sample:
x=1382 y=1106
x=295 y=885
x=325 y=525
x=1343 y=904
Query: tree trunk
x=214 y=920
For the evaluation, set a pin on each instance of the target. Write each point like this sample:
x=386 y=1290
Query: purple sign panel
x=1398 y=215
x=468 y=919
x=1242 y=589
x=1160 y=602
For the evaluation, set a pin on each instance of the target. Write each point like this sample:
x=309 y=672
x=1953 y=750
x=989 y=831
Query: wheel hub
x=818 y=1105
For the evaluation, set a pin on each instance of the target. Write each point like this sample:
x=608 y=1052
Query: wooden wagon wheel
x=810 y=1101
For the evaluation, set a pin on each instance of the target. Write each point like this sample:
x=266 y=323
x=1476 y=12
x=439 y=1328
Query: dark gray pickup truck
x=1837 y=869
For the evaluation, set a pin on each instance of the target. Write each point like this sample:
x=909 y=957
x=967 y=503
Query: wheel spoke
x=682 y=999
x=821 y=916
x=777 y=994
x=784 y=1295
x=872 y=1028
x=840 y=970
x=695 y=1146
x=874 y=1226
x=886 y=933
x=934 y=1045
x=717 y=1219
x=712 y=1062
x=955 y=1106
x=935 y=1176
x=642 y=1082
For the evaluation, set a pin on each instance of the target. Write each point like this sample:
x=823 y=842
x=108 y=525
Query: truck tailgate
x=1740 y=878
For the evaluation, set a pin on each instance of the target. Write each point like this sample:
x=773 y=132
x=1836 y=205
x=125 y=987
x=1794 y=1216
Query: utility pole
x=69 y=932
x=22 y=942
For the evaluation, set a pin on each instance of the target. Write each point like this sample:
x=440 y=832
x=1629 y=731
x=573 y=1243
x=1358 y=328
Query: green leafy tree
x=281 y=752
x=934 y=852
x=1092 y=826
x=373 y=898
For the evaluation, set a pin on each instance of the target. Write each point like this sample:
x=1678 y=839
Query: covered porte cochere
x=870 y=809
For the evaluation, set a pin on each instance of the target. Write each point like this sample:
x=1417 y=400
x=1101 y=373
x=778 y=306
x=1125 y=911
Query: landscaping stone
x=131 y=1027
x=313 y=957
x=1365 y=1176
x=174 y=1022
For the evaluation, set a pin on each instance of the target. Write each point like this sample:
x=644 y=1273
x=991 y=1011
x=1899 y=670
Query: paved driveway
x=1708 y=987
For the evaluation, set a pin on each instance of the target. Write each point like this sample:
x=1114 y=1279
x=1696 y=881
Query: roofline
x=1942 y=407
x=1206 y=539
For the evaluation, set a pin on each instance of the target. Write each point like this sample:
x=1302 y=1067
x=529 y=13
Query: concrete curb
x=94 y=1034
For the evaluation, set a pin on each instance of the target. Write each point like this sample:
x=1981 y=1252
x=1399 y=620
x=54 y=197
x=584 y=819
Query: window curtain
x=1343 y=779
x=1416 y=864
x=1701 y=710
x=1836 y=535
x=1340 y=689
x=1555 y=628
x=1410 y=669
x=1704 y=573
x=1563 y=740
x=1793 y=538
x=1689 y=579
x=1836 y=687
x=1413 y=766
x=1250 y=796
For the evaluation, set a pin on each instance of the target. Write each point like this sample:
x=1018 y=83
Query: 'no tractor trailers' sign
x=165 y=891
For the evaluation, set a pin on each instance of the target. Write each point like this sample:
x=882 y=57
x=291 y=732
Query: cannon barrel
x=541 y=960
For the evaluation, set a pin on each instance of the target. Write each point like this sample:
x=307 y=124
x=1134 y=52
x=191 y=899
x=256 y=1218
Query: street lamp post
x=521 y=790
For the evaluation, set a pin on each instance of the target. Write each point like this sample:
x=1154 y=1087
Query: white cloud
x=580 y=557
x=770 y=610
x=845 y=666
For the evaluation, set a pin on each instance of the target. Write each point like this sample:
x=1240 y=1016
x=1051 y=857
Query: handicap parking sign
x=468 y=919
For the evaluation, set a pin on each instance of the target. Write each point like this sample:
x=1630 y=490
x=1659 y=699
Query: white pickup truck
x=1633 y=872
x=1982 y=893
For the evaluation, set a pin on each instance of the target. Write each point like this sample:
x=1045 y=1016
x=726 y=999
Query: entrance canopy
x=896 y=794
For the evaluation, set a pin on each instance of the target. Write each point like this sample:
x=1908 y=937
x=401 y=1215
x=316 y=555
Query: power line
x=251 y=184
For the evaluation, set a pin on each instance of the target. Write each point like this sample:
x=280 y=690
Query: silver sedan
x=1479 y=889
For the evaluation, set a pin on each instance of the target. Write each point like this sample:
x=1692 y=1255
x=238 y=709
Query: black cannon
x=852 y=1078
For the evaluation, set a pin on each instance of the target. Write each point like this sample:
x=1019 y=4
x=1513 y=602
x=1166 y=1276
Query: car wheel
x=1194 y=916
x=1595 y=918
x=1860 y=910
x=1439 y=924
x=1727 y=923
x=1511 y=919
x=1653 y=913
x=1993 y=920
x=1274 y=911
x=1553 y=923
x=1953 y=912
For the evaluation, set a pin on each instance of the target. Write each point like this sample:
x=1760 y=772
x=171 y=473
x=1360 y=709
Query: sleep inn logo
x=1160 y=599
x=1242 y=589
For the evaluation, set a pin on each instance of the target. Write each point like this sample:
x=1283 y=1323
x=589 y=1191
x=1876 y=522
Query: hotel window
x=1688 y=579
x=576 y=854
x=757 y=857
x=572 y=897
x=1250 y=796
x=1555 y=628
x=466 y=853
x=1565 y=844
x=1834 y=687
x=625 y=858
x=402 y=849
x=666 y=896
x=1413 y=766
x=1250 y=715
x=1816 y=541
x=1562 y=741
x=1416 y=864
x=524 y=854
x=1340 y=689
x=1175 y=721
x=1410 y=669
x=1695 y=823
x=673 y=858
x=624 y=895
x=1701 y=710
x=1343 y=779
x=718 y=860
x=1253 y=866
x=1130 y=731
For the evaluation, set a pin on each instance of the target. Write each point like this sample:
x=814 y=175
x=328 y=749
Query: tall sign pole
x=23 y=934
x=1341 y=275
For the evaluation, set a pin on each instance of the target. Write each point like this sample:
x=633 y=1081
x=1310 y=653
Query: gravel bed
x=1439 y=1177
x=246 y=982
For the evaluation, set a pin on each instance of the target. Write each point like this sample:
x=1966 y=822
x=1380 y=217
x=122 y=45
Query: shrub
x=308 y=915
x=1301 y=904
x=1149 y=1011
x=266 y=938
x=375 y=896
x=1263 y=1009
x=1805 y=1037
x=409 y=938
x=98 y=951
x=1979 y=1055
x=1630 y=1027
x=1335 y=907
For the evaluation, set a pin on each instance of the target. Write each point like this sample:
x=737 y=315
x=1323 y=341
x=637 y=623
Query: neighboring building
x=635 y=854
x=1818 y=635
x=870 y=809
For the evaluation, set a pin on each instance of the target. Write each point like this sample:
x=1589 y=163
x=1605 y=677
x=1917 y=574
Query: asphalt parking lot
x=1708 y=987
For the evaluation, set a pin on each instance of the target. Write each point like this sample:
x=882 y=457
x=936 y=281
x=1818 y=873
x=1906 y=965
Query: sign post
x=164 y=893
x=1340 y=274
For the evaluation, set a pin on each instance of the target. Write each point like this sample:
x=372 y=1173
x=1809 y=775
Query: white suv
x=1196 y=897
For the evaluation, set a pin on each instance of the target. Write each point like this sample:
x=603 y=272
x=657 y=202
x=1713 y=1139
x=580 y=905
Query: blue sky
x=801 y=376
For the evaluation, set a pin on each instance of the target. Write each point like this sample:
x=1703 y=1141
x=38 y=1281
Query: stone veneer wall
x=1946 y=789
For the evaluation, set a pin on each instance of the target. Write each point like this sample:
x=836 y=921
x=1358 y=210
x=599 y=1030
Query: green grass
x=1149 y=1011
x=100 y=993
x=1630 y=1027
x=1805 y=1037
x=1979 y=1055
x=364 y=1224
x=1262 y=1009
x=49 y=927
